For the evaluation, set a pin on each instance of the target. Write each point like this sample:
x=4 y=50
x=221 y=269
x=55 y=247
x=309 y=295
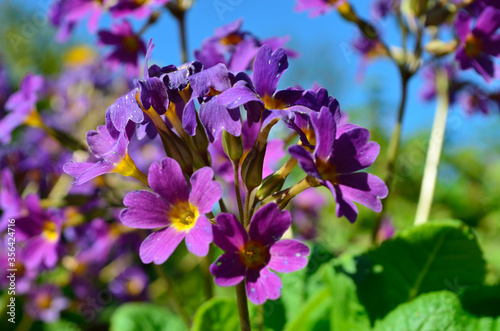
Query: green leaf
x=347 y=312
x=217 y=314
x=315 y=313
x=61 y=325
x=145 y=317
x=435 y=311
x=426 y=258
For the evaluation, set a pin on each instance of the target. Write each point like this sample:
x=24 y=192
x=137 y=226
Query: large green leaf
x=435 y=311
x=145 y=317
x=426 y=258
x=217 y=314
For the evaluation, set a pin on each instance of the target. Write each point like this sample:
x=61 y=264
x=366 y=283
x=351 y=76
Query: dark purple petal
x=228 y=270
x=484 y=66
x=168 y=181
x=462 y=25
x=145 y=210
x=305 y=159
x=153 y=93
x=268 y=224
x=262 y=284
x=237 y=96
x=228 y=233
x=215 y=78
x=487 y=23
x=344 y=207
x=199 y=237
x=325 y=128
x=288 y=255
x=205 y=191
x=267 y=69
x=159 y=245
x=189 y=122
x=364 y=188
x=216 y=117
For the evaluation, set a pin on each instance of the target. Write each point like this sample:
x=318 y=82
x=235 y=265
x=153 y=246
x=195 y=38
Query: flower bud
x=270 y=185
x=437 y=15
x=233 y=146
x=251 y=170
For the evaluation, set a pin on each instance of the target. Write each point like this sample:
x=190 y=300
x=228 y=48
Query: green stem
x=236 y=173
x=434 y=151
x=173 y=295
x=241 y=296
x=26 y=323
x=393 y=151
x=207 y=276
x=246 y=215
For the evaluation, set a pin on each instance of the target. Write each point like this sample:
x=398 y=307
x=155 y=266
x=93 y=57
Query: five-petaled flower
x=250 y=255
x=177 y=211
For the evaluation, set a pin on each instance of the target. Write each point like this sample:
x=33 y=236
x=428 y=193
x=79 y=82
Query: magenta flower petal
x=145 y=211
x=85 y=171
x=205 y=192
x=326 y=128
x=168 y=181
x=288 y=255
x=228 y=270
x=462 y=23
x=159 y=245
x=344 y=207
x=488 y=22
x=262 y=284
x=200 y=236
x=229 y=234
x=363 y=188
x=100 y=141
x=39 y=251
x=269 y=224
x=268 y=68
x=237 y=96
x=305 y=160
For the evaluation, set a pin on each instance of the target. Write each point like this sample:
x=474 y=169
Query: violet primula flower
x=474 y=100
x=339 y=153
x=177 y=211
x=127 y=44
x=317 y=7
x=268 y=68
x=382 y=8
x=428 y=91
x=480 y=43
x=235 y=48
x=22 y=107
x=11 y=202
x=65 y=14
x=112 y=157
x=130 y=284
x=43 y=228
x=45 y=303
x=250 y=256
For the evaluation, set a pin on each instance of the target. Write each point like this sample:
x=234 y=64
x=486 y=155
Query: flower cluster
x=194 y=110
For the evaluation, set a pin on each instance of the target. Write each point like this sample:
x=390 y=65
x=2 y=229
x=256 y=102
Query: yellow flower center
x=231 y=39
x=326 y=170
x=473 y=46
x=134 y=286
x=272 y=103
x=50 y=231
x=80 y=55
x=34 y=119
x=43 y=301
x=183 y=216
x=254 y=254
x=131 y=44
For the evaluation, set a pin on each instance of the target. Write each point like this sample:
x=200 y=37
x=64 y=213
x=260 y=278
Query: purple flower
x=22 y=106
x=11 y=202
x=177 y=211
x=250 y=255
x=235 y=48
x=138 y=8
x=480 y=43
x=207 y=86
x=428 y=91
x=305 y=213
x=317 y=7
x=43 y=228
x=382 y=8
x=128 y=46
x=473 y=100
x=261 y=95
x=65 y=14
x=339 y=153
x=112 y=156
x=45 y=303
x=130 y=284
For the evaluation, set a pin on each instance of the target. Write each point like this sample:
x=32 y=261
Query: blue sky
x=326 y=58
